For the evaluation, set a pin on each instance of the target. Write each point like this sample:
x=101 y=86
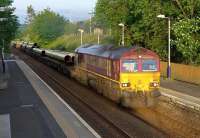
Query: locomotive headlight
x=154 y=84
x=125 y=84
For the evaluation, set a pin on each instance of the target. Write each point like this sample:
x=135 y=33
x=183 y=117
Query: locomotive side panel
x=97 y=73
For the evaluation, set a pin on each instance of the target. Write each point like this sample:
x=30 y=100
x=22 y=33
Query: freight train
x=129 y=76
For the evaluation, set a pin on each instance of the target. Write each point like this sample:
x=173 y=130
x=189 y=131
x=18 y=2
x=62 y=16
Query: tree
x=145 y=29
x=8 y=23
x=46 y=26
x=30 y=14
x=70 y=28
x=187 y=39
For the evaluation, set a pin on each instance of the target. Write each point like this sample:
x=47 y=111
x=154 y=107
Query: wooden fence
x=182 y=72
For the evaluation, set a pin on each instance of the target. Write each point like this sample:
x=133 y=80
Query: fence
x=182 y=72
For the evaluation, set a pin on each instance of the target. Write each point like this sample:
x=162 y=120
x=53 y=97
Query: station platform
x=183 y=87
x=29 y=108
x=184 y=93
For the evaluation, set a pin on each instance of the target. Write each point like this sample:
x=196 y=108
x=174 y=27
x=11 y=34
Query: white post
x=98 y=38
x=169 y=48
x=81 y=31
x=81 y=38
x=90 y=24
x=91 y=15
x=123 y=33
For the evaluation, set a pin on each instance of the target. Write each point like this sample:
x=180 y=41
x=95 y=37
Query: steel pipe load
x=24 y=45
x=39 y=51
x=66 y=57
x=29 y=46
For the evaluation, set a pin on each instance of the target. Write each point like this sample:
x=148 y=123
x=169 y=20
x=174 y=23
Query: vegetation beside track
x=71 y=42
x=143 y=27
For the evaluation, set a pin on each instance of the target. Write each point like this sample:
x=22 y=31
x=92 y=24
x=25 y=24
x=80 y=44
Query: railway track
x=115 y=123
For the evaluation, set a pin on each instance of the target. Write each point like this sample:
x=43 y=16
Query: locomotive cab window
x=149 y=65
x=129 y=66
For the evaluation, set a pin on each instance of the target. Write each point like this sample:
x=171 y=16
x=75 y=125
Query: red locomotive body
x=119 y=70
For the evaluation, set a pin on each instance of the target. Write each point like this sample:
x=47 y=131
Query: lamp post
x=99 y=32
x=91 y=14
x=81 y=31
x=169 y=45
x=98 y=38
x=123 y=33
x=90 y=24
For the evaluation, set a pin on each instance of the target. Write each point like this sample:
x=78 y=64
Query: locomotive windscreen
x=129 y=66
x=149 y=65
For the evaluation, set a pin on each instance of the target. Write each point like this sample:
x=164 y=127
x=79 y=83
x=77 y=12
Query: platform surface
x=21 y=110
x=181 y=92
x=183 y=87
x=29 y=109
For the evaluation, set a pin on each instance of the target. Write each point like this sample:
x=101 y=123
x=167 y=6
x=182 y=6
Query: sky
x=74 y=10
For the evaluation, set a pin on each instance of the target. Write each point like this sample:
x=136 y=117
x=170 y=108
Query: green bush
x=71 y=42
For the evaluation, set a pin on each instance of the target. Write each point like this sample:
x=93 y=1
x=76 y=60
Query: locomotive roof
x=112 y=52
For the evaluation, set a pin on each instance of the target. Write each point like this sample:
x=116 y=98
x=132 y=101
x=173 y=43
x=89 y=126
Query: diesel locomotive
x=129 y=76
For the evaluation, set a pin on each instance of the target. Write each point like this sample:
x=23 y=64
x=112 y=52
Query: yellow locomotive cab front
x=140 y=82
x=140 y=75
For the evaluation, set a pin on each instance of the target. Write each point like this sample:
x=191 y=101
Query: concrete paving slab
x=5 y=126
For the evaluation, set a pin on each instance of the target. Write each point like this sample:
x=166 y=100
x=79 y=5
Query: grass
x=71 y=42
